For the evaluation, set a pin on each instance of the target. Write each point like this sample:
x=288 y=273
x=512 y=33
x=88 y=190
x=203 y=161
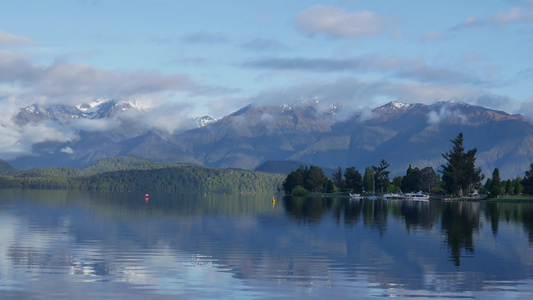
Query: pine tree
x=496 y=185
x=517 y=185
x=460 y=174
x=294 y=179
x=337 y=179
x=368 y=180
x=381 y=176
x=527 y=182
x=354 y=180
x=314 y=179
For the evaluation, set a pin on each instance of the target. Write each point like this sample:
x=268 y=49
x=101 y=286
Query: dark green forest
x=135 y=174
x=460 y=178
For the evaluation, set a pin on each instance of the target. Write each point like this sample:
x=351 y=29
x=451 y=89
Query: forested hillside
x=129 y=174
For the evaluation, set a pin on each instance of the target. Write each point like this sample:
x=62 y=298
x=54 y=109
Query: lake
x=64 y=245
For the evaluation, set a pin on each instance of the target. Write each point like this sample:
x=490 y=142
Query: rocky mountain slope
x=402 y=134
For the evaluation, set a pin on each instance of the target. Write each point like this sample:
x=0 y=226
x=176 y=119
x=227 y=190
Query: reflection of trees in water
x=306 y=209
x=352 y=212
x=492 y=213
x=459 y=222
x=416 y=214
x=374 y=213
x=520 y=213
x=527 y=220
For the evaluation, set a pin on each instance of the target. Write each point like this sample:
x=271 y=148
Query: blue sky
x=213 y=57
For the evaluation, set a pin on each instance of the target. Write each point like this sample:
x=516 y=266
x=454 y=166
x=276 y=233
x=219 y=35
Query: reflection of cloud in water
x=98 y=247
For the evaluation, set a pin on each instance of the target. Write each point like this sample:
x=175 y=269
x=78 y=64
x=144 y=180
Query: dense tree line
x=306 y=179
x=312 y=179
x=460 y=177
x=415 y=179
x=176 y=179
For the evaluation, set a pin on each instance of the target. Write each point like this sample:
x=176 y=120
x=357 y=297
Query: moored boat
x=355 y=196
x=393 y=196
x=417 y=196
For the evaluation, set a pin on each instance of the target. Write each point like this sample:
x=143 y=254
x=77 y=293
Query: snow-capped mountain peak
x=91 y=108
x=399 y=104
x=97 y=109
x=394 y=105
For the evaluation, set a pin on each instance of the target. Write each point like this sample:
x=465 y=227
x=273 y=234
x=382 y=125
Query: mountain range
x=304 y=133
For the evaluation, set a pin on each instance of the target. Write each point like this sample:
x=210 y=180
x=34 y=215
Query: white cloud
x=432 y=36
x=67 y=150
x=17 y=141
x=469 y=22
x=413 y=69
x=94 y=124
x=72 y=83
x=514 y=15
x=8 y=39
x=355 y=93
x=167 y=117
x=226 y=105
x=339 y=23
x=527 y=109
x=446 y=112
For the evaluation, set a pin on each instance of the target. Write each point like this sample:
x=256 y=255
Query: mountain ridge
x=312 y=133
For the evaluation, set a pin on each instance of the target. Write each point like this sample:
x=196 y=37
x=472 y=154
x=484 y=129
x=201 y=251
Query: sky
x=195 y=58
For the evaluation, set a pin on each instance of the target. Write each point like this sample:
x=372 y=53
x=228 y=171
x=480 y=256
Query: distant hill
x=328 y=137
x=170 y=178
x=104 y=165
x=118 y=163
x=5 y=168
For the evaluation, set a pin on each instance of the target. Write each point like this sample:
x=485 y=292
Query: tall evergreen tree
x=314 y=179
x=411 y=180
x=517 y=185
x=337 y=179
x=381 y=176
x=368 y=180
x=428 y=179
x=294 y=179
x=329 y=186
x=496 y=185
x=354 y=180
x=527 y=182
x=460 y=174
x=488 y=185
x=396 y=183
x=508 y=187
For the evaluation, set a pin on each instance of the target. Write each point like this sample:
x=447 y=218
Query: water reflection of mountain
x=304 y=241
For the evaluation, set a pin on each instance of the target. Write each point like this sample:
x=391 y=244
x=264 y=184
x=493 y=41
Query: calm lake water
x=59 y=244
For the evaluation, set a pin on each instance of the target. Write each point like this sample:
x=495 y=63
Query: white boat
x=417 y=196
x=393 y=196
x=407 y=196
x=355 y=196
